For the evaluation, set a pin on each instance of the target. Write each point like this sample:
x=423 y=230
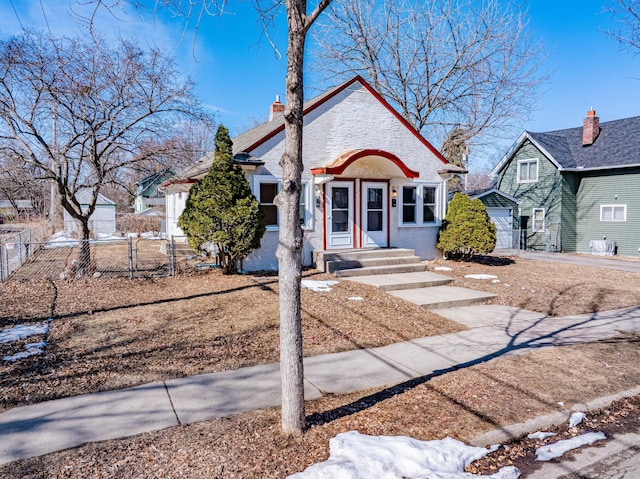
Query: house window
x=428 y=204
x=306 y=212
x=613 y=212
x=409 y=204
x=538 y=220
x=268 y=192
x=528 y=171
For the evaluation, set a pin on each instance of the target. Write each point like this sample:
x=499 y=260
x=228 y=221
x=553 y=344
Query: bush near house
x=222 y=210
x=466 y=229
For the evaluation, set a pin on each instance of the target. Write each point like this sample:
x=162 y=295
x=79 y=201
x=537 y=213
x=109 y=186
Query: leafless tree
x=444 y=64
x=79 y=110
x=19 y=181
x=626 y=15
x=300 y=17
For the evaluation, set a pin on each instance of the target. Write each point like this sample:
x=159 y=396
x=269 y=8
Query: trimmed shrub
x=466 y=229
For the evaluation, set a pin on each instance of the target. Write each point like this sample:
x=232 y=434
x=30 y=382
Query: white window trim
x=533 y=220
x=257 y=180
x=613 y=207
x=528 y=160
x=419 y=205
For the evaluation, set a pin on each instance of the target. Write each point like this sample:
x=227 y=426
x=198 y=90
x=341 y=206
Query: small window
x=428 y=204
x=409 y=204
x=268 y=192
x=528 y=171
x=304 y=210
x=538 y=220
x=613 y=212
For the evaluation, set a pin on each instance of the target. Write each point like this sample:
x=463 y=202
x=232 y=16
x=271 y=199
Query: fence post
x=130 y=257
x=172 y=257
x=1 y=261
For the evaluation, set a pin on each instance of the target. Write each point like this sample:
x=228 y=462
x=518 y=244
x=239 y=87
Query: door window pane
x=340 y=221
x=374 y=221
x=374 y=198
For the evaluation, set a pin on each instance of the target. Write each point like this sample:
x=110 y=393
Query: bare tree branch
x=445 y=64
x=626 y=15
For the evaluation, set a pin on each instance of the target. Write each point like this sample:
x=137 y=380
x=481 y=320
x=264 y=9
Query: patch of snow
x=62 y=242
x=150 y=235
x=495 y=280
x=561 y=403
x=358 y=456
x=356 y=298
x=540 y=435
x=32 y=349
x=317 y=286
x=442 y=268
x=481 y=276
x=576 y=418
x=22 y=331
x=551 y=451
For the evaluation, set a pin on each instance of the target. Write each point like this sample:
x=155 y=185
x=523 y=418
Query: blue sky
x=238 y=73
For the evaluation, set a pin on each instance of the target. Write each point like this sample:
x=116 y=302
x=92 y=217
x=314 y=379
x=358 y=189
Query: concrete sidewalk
x=495 y=331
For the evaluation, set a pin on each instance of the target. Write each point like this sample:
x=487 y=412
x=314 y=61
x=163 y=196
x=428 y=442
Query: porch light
x=394 y=197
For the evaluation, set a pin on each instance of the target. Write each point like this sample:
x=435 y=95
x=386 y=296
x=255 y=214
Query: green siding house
x=578 y=189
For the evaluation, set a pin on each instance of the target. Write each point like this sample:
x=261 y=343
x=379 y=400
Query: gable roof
x=153 y=180
x=617 y=146
x=246 y=142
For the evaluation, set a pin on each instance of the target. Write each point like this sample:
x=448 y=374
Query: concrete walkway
x=495 y=331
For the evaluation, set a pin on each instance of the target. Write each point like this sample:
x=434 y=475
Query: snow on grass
x=356 y=298
x=32 y=349
x=317 y=286
x=22 y=331
x=481 y=276
x=576 y=418
x=358 y=456
x=551 y=451
x=442 y=268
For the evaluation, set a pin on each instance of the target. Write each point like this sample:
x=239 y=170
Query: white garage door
x=503 y=219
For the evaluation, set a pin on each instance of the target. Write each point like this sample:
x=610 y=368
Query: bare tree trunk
x=289 y=251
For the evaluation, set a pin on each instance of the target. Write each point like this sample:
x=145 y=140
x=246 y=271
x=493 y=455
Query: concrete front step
x=354 y=256
x=400 y=281
x=375 y=270
x=443 y=296
x=333 y=266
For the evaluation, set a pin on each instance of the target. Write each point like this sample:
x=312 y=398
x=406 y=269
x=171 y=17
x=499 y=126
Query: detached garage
x=103 y=219
x=503 y=211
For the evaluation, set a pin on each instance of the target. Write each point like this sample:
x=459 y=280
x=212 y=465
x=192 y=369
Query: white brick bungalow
x=370 y=179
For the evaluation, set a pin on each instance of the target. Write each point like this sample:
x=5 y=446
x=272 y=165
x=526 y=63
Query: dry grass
x=110 y=333
x=175 y=326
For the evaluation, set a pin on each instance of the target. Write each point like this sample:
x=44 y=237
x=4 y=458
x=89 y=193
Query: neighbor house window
x=528 y=171
x=409 y=204
x=268 y=192
x=538 y=220
x=306 y=213
x=428 y=204
x=613 y=212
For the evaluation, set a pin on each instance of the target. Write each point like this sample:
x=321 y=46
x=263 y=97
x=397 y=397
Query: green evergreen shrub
x=222 y=210
x=466 y=229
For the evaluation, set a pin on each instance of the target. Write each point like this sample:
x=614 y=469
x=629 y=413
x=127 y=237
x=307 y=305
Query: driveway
x=631 y=264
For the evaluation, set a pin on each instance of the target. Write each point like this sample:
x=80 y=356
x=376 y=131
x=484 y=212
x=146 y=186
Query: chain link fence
x=134 y=256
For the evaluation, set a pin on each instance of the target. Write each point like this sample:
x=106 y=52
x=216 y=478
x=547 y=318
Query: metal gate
x=150 y=257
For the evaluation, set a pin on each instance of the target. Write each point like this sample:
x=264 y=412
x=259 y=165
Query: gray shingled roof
x=243 y=142
x=617 y=145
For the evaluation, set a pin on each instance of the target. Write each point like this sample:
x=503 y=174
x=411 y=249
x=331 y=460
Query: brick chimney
x=276 y=108
x=590 y=128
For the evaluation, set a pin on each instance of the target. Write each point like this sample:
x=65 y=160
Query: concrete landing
x=400 y=281
x=437 y=297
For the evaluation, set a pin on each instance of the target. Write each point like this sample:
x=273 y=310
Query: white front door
x=340 y=215
x=374 y=215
